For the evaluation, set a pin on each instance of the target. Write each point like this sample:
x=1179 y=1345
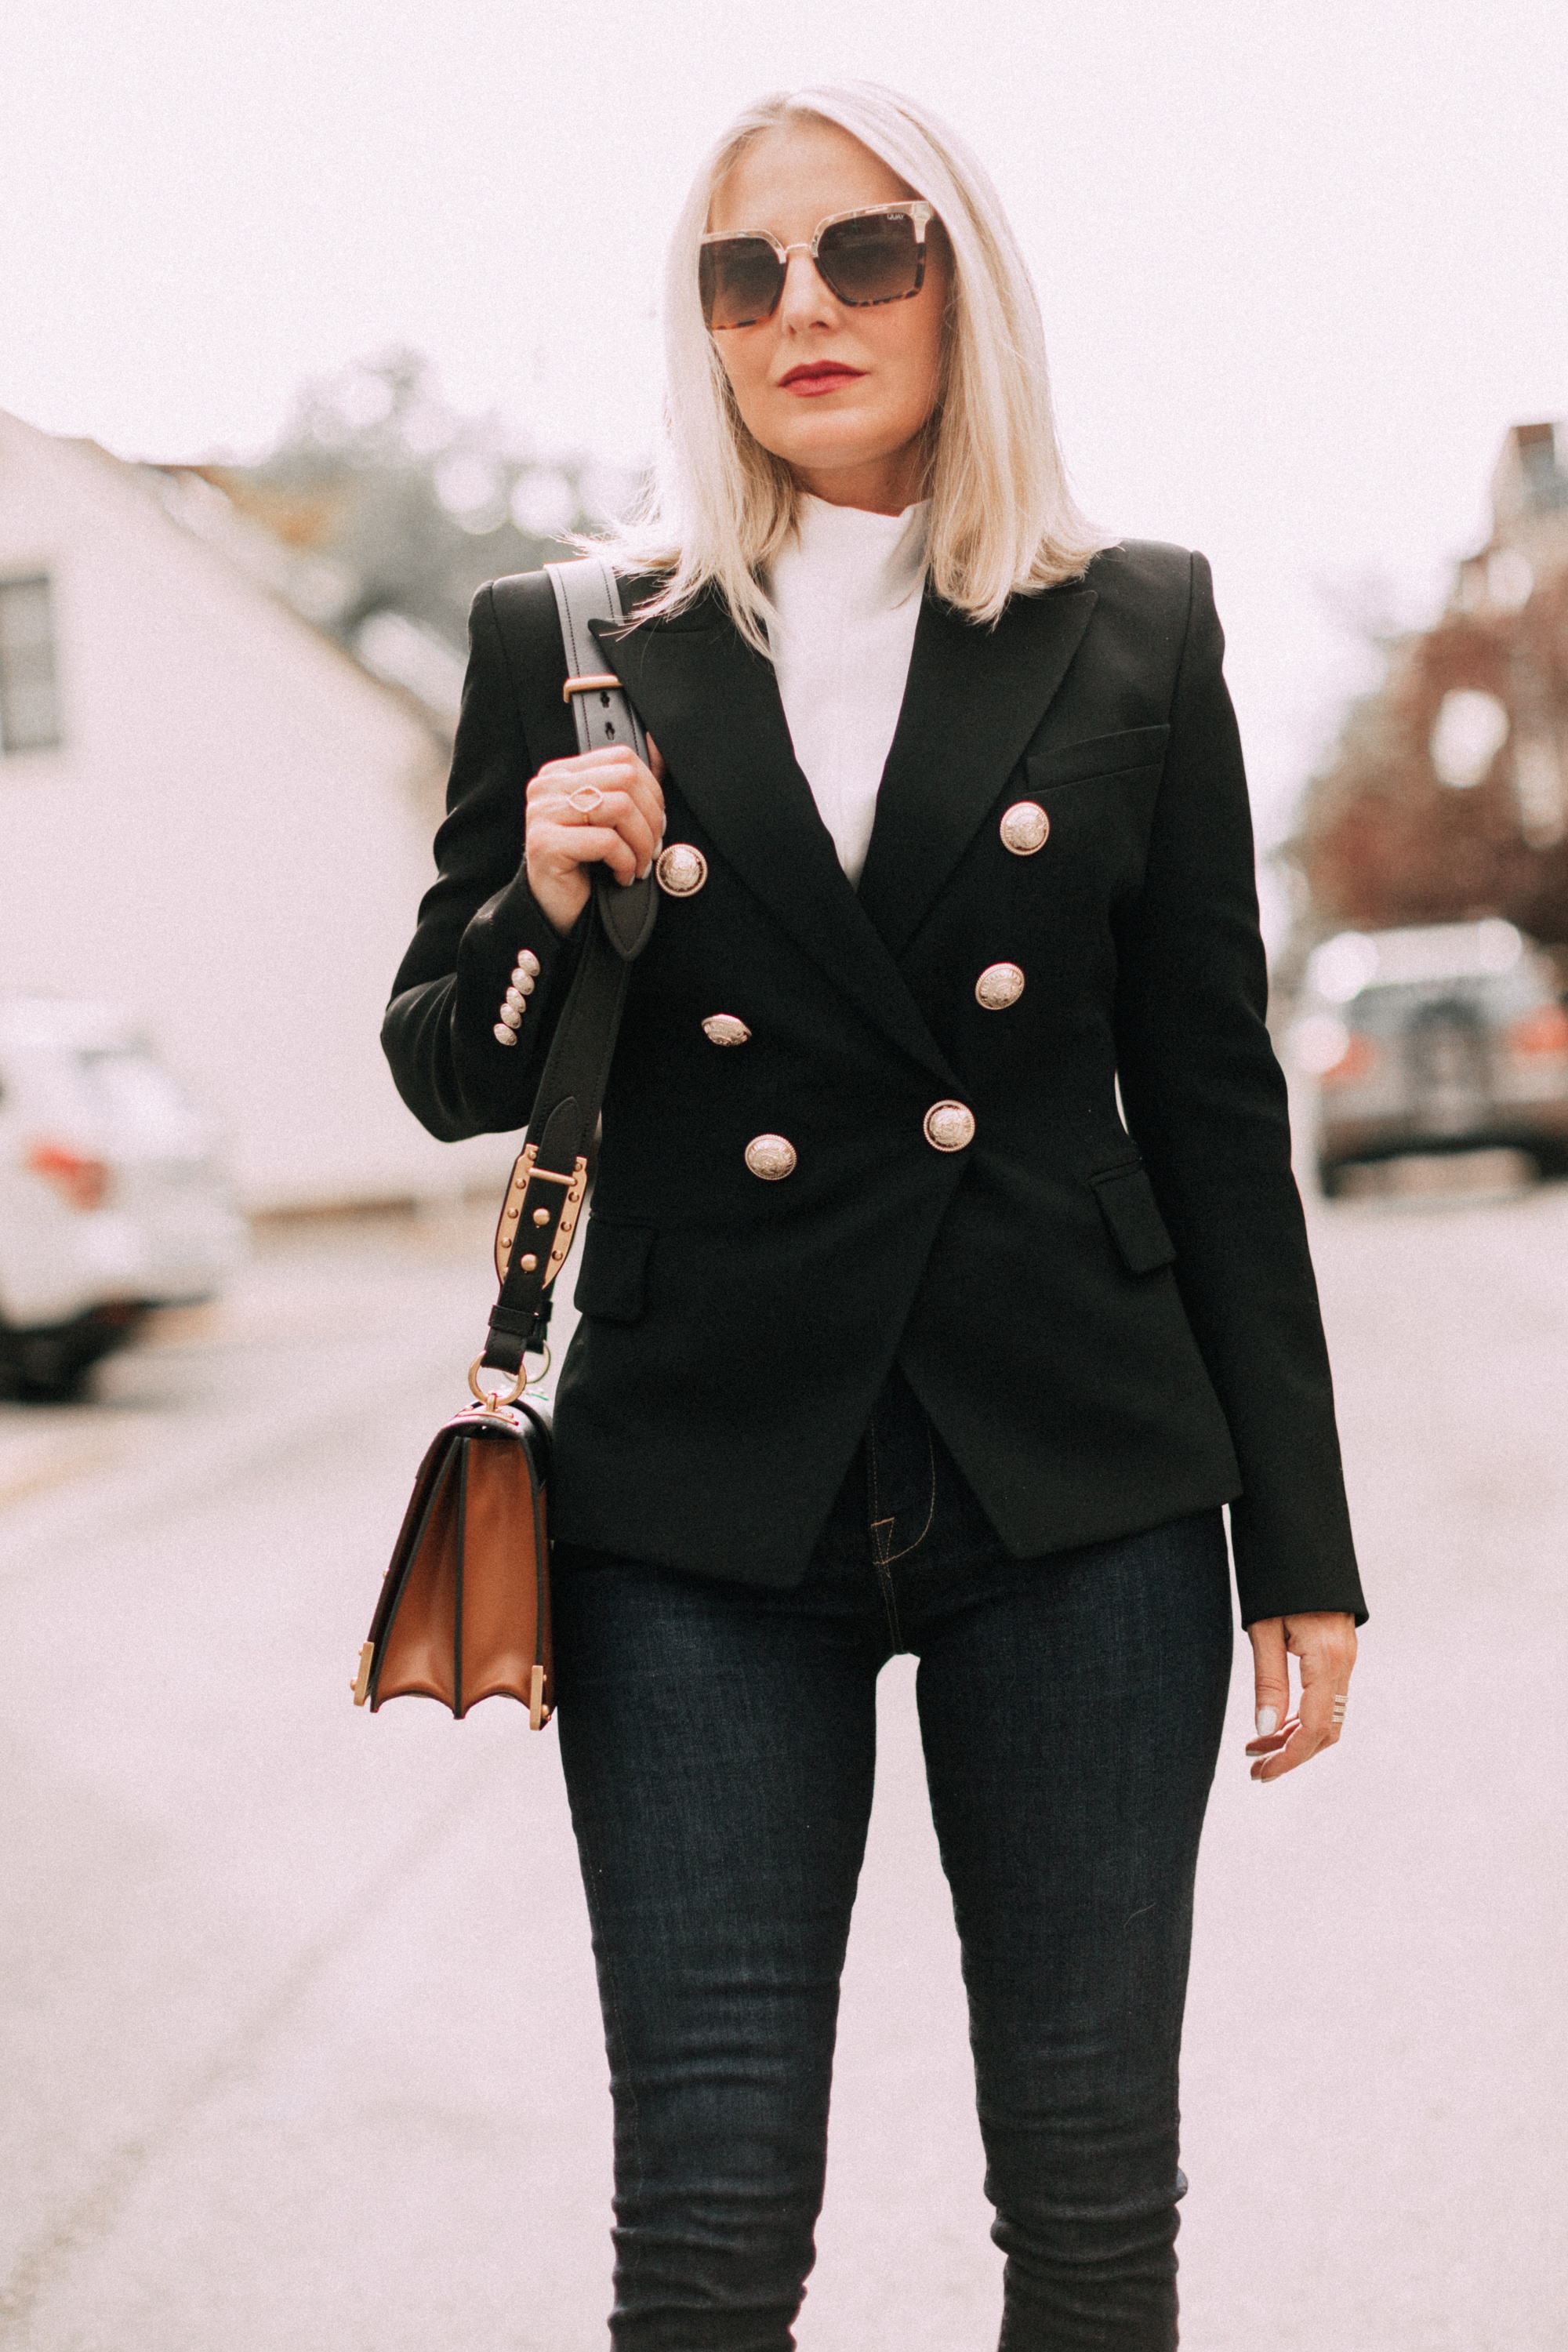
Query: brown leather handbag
x=464 y=1611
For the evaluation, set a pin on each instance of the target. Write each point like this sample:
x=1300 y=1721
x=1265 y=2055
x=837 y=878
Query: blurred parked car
x=111 y=1201
x=1451 y=1037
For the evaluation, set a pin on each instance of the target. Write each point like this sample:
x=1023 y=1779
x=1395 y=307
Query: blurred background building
x=226 y=703
x=1446 y=796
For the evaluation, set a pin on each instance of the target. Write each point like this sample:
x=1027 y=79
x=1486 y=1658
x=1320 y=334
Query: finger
x=650 y=799
x=1270 y=1743
x=558 y=848
x=616 y=775
x=1271 y=1673
x=619 y=811
x=1299 y=1748
x=609 y=765
x=639 y=836
x=1324 y=1644
x=586 y=799
x=1317 y=1709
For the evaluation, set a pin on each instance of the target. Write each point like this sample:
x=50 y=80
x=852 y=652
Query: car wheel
x=54 y=1388
x=54 y=1365
x=48 y=1367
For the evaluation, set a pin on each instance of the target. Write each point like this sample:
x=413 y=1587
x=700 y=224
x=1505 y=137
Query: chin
x=824 y=440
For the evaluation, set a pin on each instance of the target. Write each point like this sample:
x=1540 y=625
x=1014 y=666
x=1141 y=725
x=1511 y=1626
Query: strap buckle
x=602 y=682
x=523 y=1174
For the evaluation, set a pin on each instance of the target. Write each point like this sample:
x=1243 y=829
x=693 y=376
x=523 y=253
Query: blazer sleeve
x=438 y=1032
x=1206 y=1100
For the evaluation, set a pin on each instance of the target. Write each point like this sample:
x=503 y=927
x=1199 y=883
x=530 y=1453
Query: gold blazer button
x=1025 y=828
x=950 y=1126
x=681 y=870
x=998 y=986
x=724 y=1029
x=771 y=1157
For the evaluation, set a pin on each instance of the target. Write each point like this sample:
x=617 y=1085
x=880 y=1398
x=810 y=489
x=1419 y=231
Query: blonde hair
x=1002 y=519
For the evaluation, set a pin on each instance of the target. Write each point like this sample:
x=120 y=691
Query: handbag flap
x=465 y=1611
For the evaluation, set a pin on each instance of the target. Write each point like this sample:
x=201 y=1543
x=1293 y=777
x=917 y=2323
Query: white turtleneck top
x=847 y=590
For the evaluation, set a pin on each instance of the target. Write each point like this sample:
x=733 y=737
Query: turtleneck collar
x=845 y=593
x=873 y=561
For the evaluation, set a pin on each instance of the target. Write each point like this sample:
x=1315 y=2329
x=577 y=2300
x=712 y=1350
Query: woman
x=894 y=1336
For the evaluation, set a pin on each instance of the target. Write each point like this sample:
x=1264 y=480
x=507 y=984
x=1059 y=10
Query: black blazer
x=1108 y=1329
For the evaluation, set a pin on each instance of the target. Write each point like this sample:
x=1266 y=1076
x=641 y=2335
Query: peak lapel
x=974 y=697
x=712 y=707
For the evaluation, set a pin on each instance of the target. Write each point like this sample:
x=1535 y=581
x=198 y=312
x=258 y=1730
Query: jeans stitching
x=879 y=1541
x=883 y=1556
x=930 y=1505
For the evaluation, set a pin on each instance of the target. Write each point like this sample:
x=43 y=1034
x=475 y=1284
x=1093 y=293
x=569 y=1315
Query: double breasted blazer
x=1110 y=1324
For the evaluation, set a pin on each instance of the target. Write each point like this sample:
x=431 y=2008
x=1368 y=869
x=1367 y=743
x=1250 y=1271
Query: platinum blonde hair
x=1003 y=520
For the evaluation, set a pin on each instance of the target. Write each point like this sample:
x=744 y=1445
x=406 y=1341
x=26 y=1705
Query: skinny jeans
x=719 y=1744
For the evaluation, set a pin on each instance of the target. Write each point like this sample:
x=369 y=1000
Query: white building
x=212 y=815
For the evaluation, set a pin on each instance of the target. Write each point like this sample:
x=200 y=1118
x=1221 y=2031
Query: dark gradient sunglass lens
x=875 y=260
x=740 y=278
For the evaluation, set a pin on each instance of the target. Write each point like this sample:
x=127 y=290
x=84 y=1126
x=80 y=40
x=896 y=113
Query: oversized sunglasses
x=875 y=254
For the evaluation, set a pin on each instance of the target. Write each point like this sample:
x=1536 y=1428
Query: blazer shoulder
x=513 y=623
x=516 y=602
x=529 y=595
x=1148 y=573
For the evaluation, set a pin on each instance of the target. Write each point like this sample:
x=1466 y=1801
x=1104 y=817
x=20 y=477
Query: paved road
x=297 y=2031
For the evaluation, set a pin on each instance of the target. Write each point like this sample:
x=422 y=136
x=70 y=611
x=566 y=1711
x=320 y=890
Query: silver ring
x=586 y=799
x=1342 y=1700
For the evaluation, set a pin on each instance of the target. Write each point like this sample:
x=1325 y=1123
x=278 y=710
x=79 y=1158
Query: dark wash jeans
x=719 y=1744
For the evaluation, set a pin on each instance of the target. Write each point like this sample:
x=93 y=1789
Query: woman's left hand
x=1324 y=1642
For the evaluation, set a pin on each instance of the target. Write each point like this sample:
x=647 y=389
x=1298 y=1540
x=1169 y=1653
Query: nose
x=806 y=296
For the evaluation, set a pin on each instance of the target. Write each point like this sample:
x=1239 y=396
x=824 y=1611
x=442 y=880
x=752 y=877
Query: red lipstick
x=816 y=376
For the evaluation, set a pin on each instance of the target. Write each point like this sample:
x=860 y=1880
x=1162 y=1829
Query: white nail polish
x=1267 y=1722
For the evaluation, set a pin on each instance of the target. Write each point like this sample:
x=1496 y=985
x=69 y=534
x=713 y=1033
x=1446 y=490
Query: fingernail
x=1268 y=1721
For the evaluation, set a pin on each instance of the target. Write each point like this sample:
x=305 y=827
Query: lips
x=819 y=376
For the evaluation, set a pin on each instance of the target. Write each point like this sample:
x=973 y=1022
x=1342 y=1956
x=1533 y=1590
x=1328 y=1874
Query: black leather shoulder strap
x=550 y=1180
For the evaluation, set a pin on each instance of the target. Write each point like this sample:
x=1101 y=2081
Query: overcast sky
x=1301 y=262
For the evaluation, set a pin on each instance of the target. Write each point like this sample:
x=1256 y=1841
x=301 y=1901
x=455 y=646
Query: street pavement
x=298 y=2042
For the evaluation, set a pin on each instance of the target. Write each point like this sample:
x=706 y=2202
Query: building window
x=29 y=705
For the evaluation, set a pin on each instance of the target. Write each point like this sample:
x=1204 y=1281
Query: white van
x=111 y=1198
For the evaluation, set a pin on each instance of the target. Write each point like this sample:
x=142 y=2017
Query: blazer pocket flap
x=1127 y=1205
x=1098 y=755
x=611 y=1283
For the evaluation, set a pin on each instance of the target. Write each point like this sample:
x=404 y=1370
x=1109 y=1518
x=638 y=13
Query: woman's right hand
x=602 y=808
